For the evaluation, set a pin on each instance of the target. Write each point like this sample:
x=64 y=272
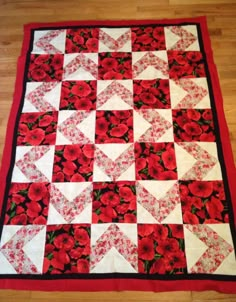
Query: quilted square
x=37 y=128
x=189 y=93
x=184 y=64
x=153 y=125
x=75 y=127
x=42 y=96
x=114 y=39
x=45 y=68
x=114 y=126
x=82 y=40
x=209 y=249
x=114 y=248
x=150 y=65
x=80 y=66
x=67 y=249
x=151 y=94
x=27 y=203
x=73 y=163
x=70 y=202
x=148 y=38
x=33 y=164
x=183 y=38
x=22 y=249
x=158 y=202
x=155 y=161
x=114 y=65
x=197 y=161
x=114 y=95
x=114 y=202
x=203 y=202
x=161 y=249
x=49 y=41
x=193 y=125
x=78 y=95
x=114 y=162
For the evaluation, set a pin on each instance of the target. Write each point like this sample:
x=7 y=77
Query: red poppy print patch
x=148 y=38
x=193 y=125
x=27 y=204
x=114 y=65
x=73 y=163
x=78 y=95
x=151 y=94
x=185 y=64
x=114 y=202
x=203 y=202
x=82 y=40
x=155 y=161
x=37 y=128
x=67 y=249
x=114 y=126
x=45 y=68
x=161 y=249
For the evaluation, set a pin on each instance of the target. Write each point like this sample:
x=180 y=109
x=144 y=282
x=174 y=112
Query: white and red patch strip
x=113 y=237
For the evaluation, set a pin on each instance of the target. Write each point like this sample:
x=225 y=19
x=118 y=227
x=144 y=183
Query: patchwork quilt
x=117 y=171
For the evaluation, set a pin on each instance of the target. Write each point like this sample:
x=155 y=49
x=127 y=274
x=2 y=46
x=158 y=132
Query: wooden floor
x=221 y=16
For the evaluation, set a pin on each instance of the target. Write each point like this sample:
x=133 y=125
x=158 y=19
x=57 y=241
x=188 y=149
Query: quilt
x=117 y=172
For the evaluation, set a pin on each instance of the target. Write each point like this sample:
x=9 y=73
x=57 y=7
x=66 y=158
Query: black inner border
x=216 y=277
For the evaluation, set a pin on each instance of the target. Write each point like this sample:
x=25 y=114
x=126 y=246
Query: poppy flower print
x=73 y=163
x=37 y=128
x=78 y=95
x=82 y=40
x=114 y=202
x=193 y=125
x=114 y=126
x=161 y=249
x=151 y=94
x=185 y=64
x=45 y=68
x=27 y=203
x=147 y=38
x=67 y=249
x=155 y=161
x=114 y=65
x=203 y=202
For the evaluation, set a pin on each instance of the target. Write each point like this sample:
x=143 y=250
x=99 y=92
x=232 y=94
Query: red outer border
x=120 y=284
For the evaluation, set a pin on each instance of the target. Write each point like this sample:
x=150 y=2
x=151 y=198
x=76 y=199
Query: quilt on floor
x=118 y=166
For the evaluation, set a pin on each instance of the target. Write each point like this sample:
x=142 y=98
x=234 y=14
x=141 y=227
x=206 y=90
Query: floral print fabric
x=117 y=166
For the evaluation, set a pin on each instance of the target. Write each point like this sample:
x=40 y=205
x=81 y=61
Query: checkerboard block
x=49 y=41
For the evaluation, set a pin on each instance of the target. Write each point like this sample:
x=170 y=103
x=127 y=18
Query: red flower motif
x=169 y=160
x=160 y=232
x=119 y=131
x=82 y=40
x=64 y=241
x=81 y=236
x=126 y=193
x=83 y=266
x=146 y=249
x=72 y=152
x=35 y=137
x=190 y=218
x=114 y=126
x=201 y=188
x=169 y=245
x=37 y=191
x=110 y=198
x=82 y=89
x=115 y=65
